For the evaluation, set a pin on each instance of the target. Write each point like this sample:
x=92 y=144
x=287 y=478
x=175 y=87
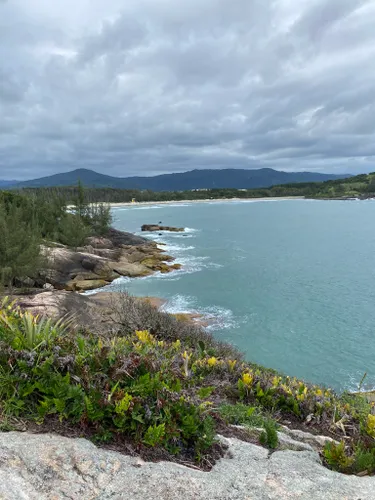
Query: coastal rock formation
x=156 y=227
x=101 y=261
x=60 y=303
x=97 y=312
x=46 y=466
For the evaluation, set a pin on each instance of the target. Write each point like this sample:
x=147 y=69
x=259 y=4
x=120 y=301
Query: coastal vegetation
x=152 y=384
x=163 y=389
x=360 y=186
x=27 y=221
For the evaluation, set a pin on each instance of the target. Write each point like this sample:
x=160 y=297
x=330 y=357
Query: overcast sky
x=129 y=87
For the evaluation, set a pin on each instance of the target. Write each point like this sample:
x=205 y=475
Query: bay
x=290 y=282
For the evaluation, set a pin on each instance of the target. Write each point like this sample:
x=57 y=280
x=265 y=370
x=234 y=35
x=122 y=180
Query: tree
x=73 y=231
x=19 y=245
x=80 y=204
x=99 y=218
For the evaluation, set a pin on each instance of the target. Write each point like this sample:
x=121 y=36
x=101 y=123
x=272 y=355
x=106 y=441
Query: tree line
x=31 y=219
x=360 y=185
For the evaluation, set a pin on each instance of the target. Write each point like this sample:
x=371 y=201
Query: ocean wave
x=111 y=287
x=164 y=237
x=179 y=235
x=167 y=205
x=218 y=318
x=355 y=379
x=174 y=248
x=146 y=207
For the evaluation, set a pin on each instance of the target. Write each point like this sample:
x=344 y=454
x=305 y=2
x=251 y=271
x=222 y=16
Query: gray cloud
x=147 y=87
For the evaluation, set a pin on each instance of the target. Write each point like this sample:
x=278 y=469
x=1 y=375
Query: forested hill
x=360 y=186
x=195 y=179
x=5 y=184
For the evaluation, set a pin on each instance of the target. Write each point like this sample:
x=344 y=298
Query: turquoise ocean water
x=290 y=282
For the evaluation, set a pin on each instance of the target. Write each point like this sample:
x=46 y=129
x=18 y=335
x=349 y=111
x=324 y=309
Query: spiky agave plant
x=31 y=331
x=39 y=329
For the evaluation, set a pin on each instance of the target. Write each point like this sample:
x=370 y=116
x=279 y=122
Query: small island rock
x=157 y=227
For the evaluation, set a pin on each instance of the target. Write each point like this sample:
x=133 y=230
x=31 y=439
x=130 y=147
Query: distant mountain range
x=194 y=179
x=4 y=184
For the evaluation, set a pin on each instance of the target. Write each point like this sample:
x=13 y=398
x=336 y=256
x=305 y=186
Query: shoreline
x=206 y=200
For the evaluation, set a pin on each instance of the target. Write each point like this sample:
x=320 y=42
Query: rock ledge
x=50 y=467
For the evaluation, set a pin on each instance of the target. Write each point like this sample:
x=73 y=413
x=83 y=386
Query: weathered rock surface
x=121 y=238
x=98 y=312
x=49 y=467
x=156 y=227
x=60 y=303
x=101 y=261
x=83 y=284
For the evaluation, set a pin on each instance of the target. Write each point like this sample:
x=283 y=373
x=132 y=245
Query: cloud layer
x=152 y=86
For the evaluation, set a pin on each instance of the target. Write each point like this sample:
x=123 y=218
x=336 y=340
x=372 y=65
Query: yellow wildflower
x=232 y=364
x=275 y=381
x=319 y=392
x=145 y=337
x=247 y=378
x=370 y=425
x=286 y=388
x=177 y=344
x=211 y=361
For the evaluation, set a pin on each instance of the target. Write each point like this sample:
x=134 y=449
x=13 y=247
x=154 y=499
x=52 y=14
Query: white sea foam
x=174 y=248
x=355 y=379
x=178 y=205
x=217 y=317
x=109 y=288
x=145 y=207
x=180 y=235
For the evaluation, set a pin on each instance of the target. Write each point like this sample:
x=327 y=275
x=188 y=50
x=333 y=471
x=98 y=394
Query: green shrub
x=364 y=460
x=164 y=387
x=124 y=385
x=336 y=456
x=269 y=436
x=132 y=315
x=240 y=414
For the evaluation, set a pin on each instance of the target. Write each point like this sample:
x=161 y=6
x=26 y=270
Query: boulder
x=130 y=270
x=24 y=282
x=107 y=253
x=121 y=238
x=135 y=256
x=97 y=312
x=47 y=466
x=88 y=263
x=97 y=242
x=53 y=277
x=61 y=303
x=85 y=284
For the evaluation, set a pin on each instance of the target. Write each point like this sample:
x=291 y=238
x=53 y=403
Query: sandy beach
x=219 y=200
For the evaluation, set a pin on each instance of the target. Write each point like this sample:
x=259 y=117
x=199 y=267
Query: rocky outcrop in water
x=51 y=467
x=156 y=227
x=101 y=261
